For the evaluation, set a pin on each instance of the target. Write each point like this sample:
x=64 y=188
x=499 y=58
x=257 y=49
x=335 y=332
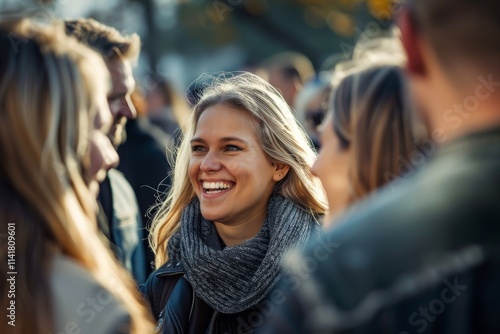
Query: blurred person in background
x=242 y=195
x=166 y=108
x=145 y=160
x=368 y=133
x=53 y=122
x=119 y=216
x=288 y=72
x=310 y=107
x=422 y=257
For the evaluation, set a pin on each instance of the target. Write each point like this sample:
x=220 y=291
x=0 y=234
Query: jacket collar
x=480 y=140
x=170 y=268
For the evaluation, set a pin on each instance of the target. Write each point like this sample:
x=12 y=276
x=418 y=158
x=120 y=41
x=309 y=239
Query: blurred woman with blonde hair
x=53 y=116
x=369 y=129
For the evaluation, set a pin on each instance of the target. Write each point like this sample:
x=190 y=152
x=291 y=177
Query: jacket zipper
x=212 y=322
x=192 y=305
x=170 y=274
x=190 y=311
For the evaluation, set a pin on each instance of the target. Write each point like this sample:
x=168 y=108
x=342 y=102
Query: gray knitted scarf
x=233 y=279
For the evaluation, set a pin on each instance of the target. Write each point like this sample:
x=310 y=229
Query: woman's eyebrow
x=226 y=139
x=197 y=139
x=223 y=139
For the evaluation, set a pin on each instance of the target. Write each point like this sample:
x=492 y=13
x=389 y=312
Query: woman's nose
x=210 y=163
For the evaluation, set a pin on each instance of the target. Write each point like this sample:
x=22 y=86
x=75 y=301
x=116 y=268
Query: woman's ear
x=280 y=171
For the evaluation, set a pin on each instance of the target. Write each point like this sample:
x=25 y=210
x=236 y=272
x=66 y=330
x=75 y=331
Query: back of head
x=372 y=114
x=107 y=41
x=461 y=31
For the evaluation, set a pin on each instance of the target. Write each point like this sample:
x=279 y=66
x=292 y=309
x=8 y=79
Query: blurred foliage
x=316 y=28
x=259 y=28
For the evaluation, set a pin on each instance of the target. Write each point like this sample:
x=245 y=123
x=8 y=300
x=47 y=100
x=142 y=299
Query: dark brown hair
x=107 y=41
x=461 y=30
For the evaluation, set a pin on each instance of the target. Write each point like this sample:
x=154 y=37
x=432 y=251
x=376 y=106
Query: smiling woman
x=242 y=196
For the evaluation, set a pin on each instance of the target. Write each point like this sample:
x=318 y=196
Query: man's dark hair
x=461 y=30
x=293 y=66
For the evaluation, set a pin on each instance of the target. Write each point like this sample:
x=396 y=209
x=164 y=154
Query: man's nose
x=128 y=109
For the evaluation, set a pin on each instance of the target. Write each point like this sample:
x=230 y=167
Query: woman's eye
x=197 y=148
x=232 y=148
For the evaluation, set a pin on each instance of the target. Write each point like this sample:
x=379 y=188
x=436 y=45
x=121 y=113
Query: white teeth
x=217 y=186
x=214 y=191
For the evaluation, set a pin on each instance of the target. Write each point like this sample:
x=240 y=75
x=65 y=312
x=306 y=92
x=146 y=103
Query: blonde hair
x=48 y=93
x=279 y=133
x=372 y=113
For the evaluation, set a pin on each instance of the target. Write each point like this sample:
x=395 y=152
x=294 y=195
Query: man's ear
x=411 y=43
x=280 y=171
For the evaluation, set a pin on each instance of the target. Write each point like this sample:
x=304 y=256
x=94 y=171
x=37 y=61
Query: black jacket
x=144 y=160
x=177 y=309
x=167 y=284
x=423 y=257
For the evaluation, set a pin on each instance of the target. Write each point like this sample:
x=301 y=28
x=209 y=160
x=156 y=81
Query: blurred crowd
x=359 y=198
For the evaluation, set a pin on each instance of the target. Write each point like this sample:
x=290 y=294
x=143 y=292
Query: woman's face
x=230 y=173
x=332 y=168
x=103 y=155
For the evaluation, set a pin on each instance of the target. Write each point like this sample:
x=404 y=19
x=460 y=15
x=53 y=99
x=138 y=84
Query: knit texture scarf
x=233 y=279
